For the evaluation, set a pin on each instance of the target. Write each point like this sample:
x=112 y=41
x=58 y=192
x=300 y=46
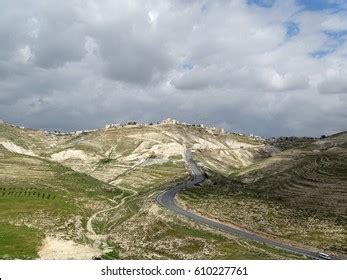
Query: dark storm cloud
x=131 y=57
x=60 y=36
x=81 y=64
x=13 y=26
x=53 y=50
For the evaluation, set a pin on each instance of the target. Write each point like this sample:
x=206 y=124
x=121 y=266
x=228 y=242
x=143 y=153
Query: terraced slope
x=313 y=177
x=299 y=195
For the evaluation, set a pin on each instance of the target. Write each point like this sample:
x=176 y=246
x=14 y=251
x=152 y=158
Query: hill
x=297 y=195
x=92 y=193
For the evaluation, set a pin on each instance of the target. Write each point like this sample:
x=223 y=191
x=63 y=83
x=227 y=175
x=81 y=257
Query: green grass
x=16 y=205
x=44 y=195
x=315 y=183
x=19 y=242
x=268 y=217
x=193 y=241
x=13 y=134
x=113 y=255
x=146 y=178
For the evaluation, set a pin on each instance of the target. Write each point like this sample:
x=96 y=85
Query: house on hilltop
x=169 y=121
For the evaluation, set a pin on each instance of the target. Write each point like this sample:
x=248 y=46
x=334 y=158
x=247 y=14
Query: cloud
x=252 y=66
x=334 y=81
x=246 y=78
x=287 y=82
x=335 y=22
x=131 y=58
x=337 y=85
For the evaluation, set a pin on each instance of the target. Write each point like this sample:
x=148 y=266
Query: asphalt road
x=167 y=200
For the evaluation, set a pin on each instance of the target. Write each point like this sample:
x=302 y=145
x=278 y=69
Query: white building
x=169 y=121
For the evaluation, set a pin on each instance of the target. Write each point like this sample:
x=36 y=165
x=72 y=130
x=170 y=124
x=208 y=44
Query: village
x=212 y=130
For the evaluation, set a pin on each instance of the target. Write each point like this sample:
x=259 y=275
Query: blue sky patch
x=261 y=3
x=335 y=40
x=338 y=37
x=320 y=53
x=317 y=5
x=187 y=66
x=292 y=29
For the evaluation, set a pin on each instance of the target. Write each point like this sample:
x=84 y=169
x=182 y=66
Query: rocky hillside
x=299 y=194
x=107 y=153
x=91 y=194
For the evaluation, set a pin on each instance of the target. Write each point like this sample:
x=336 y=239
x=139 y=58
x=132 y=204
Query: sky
x=266 y=67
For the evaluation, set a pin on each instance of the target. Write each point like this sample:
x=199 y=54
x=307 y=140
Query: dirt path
x=92 y=234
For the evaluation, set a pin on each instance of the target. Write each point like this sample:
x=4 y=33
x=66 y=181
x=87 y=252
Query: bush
x=105 y=160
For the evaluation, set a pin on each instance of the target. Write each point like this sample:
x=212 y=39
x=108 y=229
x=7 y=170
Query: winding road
x=167 y=200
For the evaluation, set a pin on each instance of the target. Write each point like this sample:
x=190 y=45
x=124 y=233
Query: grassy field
x=19 y=242
x=198 y=243
x=39 y=198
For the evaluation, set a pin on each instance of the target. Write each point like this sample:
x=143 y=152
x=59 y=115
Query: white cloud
x=335 y=22
x=334 y=81
x=24 y=54
x=34 y=27
x=153 y=15
x=120 y=60
x=288 y=81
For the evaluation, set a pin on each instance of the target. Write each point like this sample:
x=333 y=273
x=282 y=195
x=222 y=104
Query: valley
x=92 y=195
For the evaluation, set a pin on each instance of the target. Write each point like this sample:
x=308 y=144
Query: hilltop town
x=211 y=130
